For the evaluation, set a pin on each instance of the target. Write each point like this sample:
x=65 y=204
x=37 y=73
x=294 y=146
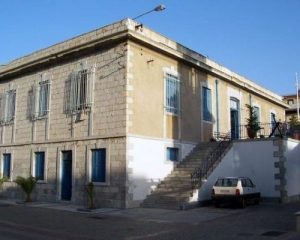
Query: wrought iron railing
x=276 y=129
x=212 y=159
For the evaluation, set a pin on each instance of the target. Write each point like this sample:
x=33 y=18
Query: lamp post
x=159 y=8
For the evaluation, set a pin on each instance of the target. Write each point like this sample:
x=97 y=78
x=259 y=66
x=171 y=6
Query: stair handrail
x=214 y=156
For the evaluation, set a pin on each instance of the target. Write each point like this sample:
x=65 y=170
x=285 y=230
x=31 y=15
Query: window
x=98 y=165
x=290 y=101
x=38 y=104
x=273 y=120
x=43 y=98
x=249 y=183
x=79 y=90
x=172 y=93
x=172 y=154
x=6 y=168
x=206 y=103
x=257 y=113
x=39 y=171
x=7 y=104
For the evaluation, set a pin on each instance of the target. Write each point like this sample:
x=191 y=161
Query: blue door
x=6 y=165
x=66 y=178
x=234 y=118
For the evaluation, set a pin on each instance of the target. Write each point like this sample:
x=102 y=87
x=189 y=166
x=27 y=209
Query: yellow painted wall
x=148 y=116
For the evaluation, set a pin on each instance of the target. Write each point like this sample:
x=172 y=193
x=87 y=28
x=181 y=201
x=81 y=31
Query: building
x=291 y=100
x=118 y=106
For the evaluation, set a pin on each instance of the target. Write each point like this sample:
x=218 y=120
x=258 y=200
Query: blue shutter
x=172 y=154
x=98 y=165
x=39 y=165
x=209 y=104
x=206 y=93
x=44 y=98
x=6 y=165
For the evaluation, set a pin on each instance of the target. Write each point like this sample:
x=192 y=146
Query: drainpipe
x=217 y=107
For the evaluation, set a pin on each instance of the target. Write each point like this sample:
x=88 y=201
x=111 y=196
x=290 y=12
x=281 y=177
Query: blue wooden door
x=6 y=165
x=235 y=118
x=66 y=178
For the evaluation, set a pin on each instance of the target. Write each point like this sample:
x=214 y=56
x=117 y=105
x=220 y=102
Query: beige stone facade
x=126 y=108
x=291 y=112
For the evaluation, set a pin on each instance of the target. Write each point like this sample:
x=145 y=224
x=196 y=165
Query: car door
x=244 y=186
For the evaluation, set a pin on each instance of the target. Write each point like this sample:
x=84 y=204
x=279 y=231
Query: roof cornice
x=121 y=31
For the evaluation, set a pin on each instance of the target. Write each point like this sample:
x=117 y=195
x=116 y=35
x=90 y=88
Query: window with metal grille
x=39 y=171
x=80 y=91
x=257 y=113
x=98 y=165
x=6 y=168
x=44 y=90
x=7 y=105
x=206 y=104
x=172 y=93
x=38 y=100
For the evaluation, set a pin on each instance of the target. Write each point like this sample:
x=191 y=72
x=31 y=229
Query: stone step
x=166 y=199
x=185 y=177
x=162 y=206
x=169 y=196
x=175 y=190
x=175 y=184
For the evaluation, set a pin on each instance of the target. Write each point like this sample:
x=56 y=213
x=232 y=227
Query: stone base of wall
x=295 y=198
x=111 y=194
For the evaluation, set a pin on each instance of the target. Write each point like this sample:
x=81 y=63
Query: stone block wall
x=109 y=194
x=103 y=125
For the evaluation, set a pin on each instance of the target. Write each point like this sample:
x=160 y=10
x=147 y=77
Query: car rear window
x=226 y=182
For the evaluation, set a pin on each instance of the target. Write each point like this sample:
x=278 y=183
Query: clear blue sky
x=259 y=39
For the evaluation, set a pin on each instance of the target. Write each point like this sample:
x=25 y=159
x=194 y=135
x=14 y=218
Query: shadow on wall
x=111 y=194
x=140 y=187
x=199 y=105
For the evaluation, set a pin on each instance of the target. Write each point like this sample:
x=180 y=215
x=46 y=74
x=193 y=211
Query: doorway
x=66 y=176
x=235 y=118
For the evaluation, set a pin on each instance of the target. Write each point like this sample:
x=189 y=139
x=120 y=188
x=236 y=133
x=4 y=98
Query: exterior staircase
x=175 y=191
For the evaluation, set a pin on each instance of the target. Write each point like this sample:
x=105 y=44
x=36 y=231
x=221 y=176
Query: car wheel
x=217 y=205
x=243 y=203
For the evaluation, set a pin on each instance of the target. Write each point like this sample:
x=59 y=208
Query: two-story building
x=117 y=107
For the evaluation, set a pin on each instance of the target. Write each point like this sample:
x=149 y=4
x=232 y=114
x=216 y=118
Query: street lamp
x=159 y=8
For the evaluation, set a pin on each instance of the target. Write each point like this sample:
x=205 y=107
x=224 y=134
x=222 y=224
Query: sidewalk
x=58 y=206
x=193 y=216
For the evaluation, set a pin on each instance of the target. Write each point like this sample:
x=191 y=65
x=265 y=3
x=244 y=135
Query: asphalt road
x=267 y=221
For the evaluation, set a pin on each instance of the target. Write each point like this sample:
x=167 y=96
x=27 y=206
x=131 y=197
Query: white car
x=239 y=190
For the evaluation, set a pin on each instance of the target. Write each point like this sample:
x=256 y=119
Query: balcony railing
x=278 y=129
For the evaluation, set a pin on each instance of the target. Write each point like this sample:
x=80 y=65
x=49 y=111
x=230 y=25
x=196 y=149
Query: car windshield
x=226 y=182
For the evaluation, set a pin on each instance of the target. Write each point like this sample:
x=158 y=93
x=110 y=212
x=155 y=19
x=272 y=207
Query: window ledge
x=41 y=181
x=206 y=121
x=171 y=114
x=7 y=123
x=99 y=184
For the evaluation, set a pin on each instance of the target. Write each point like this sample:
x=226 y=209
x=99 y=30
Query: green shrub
x=2 y=180
x=27 y=185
